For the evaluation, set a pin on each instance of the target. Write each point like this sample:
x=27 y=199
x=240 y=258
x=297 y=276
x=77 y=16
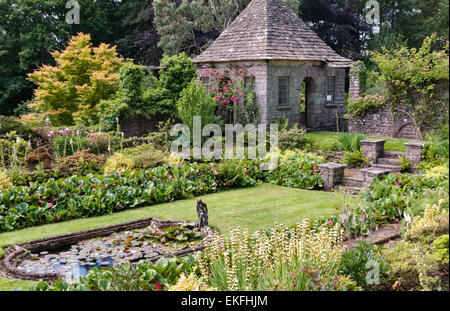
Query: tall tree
x=191 y=25
x=339 y=23
x=29 y=30
x=83 y=76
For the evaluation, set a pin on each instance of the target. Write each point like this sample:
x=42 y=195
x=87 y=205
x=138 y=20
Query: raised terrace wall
x=383 y=123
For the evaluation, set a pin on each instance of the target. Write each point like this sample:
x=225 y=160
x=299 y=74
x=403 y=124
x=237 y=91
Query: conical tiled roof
x=268 y=29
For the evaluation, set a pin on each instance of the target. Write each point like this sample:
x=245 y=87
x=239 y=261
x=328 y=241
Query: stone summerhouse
x=270 y=42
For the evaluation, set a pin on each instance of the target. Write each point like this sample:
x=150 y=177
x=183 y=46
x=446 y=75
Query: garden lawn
x=253 y=208
x=324 y=140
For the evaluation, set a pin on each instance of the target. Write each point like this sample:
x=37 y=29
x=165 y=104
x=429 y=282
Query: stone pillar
x=370 y=173
x=414 y=152
x=373 y=149
x=355 y=84
x=332 y=174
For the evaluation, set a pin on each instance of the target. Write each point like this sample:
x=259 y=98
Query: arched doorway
x=306 y=103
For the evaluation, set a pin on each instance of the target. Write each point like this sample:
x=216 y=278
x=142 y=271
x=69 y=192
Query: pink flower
x=330 y=222
x=225 y=88
x=215 y=173
x=158 y=286
x=49 y=205
x=240 y=94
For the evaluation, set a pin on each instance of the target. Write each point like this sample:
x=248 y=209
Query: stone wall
x=138 y=125
x=320 y=113
x=383 y=123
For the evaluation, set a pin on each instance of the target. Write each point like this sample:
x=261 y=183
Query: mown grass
x=253 y=208
x=326 y=141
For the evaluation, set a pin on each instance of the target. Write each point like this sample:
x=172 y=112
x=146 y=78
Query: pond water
x=122 y=247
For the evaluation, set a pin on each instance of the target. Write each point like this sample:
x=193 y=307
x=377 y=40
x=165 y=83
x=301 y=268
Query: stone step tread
x=393 y=168
x=356 y=178
x=392 y=154
x=388 y=161
x=350 y=182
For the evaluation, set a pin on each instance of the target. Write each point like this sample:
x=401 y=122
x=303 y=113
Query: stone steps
x=392 y=154
x=388 y=161
x=352 y=182
x=392 y=168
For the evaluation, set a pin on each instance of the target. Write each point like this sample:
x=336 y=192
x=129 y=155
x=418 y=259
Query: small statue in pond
x=202 y=212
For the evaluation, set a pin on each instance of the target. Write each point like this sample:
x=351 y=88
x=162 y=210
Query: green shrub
x=434 y=223
x=127 y=277
x=128 y=101
x=350 y=142
x=360 y=260
x=438 y=172
x=292 y=139
x=39 y=155
x=161 y=138
x=405 y=164
x=82 y=163
x=419 y=265
x=297 y=170
x=13 y=149
x=162 y=95
x=386 y=199
x=195 y=100
x=5 y=181
x=145 y=156
x=441 y=248
x=437 y=146
x=10 y=124
x=358 y=108
x=118 y=162
x=353 y=159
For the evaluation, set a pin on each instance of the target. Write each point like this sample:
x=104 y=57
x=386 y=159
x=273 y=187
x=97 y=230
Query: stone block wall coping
x=375 y=171
x=332 y=166
x=417 y=144
x=373 y=141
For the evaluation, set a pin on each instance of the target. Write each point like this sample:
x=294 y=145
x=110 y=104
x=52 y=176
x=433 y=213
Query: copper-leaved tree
x=70 y=92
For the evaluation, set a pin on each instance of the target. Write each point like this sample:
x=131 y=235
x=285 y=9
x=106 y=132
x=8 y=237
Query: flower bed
x=95 y=195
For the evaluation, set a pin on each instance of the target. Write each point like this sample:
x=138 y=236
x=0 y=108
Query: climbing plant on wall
x=417 y=81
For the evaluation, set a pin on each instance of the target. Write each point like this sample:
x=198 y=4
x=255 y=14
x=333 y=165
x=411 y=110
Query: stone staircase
x=350 y=181
x=389 y=161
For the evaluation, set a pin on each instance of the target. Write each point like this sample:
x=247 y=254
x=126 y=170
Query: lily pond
x=121 y=247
